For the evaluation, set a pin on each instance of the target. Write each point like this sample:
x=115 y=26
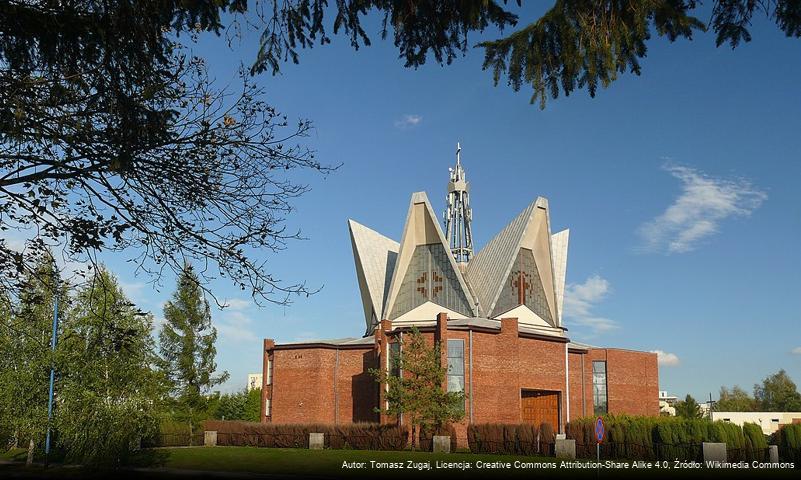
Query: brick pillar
x=266 y=390
x=382 y=350
x=441 y=338
x=510 y=342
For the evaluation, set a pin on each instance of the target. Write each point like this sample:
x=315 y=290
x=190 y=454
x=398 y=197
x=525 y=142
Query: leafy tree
x=418 y=393
x=109 y=389
x=574 y=44
x=243 y=405
x=253 y=405
x=187 y=348
x=778 y=393
x=688 y=408
x=25 y=354
x=113 y=137
x=735 y=400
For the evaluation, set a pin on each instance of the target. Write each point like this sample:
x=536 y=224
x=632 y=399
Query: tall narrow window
x=599 y=394
x=269 y=372
x=267 y=407
x=393 y=359
x=456 y=365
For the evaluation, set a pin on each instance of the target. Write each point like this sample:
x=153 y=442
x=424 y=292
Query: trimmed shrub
x=358 y=436
x=788 y=439
x=527 y=439
x=547 y=439
x=651 y=438
x=521 y=439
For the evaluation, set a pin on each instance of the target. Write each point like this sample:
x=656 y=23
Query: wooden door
x=540 y=406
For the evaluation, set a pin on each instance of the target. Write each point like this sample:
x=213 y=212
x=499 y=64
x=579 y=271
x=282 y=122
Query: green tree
x=735 y=400
x=187 y=348
x=242 y=405
x=688 y=408
x=114 y=137
x=419 y=393
x=25 y=354
x=109 y=387
x=253 y=405
x=573 y=44
x=778 y=393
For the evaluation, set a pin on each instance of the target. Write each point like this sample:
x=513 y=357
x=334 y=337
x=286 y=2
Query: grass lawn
x=406 y=464
x=167 y=463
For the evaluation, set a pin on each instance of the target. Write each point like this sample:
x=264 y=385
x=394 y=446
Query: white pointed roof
x=374 y=255
x=559 y=243
x=421 y=228
x=488 y=270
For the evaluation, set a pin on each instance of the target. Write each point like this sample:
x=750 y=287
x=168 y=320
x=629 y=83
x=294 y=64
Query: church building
x=496 y=313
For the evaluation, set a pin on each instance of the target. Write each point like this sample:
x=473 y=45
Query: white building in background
x=254 y=381
x=769 y=421
x=667 y=403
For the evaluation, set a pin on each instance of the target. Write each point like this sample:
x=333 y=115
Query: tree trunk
x=414 y=437
x=190 y=432
x=29 y=461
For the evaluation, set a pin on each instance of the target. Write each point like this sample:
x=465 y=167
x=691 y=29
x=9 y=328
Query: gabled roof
x=421 y=228
x=374 y=255
x=488 y=271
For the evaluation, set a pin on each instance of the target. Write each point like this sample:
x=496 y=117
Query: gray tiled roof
x=488 y=269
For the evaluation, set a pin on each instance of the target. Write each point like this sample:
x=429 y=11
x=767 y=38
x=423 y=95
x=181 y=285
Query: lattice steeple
x=458 y=215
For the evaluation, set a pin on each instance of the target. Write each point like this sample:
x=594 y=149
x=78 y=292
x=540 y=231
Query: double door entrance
x=540 y=406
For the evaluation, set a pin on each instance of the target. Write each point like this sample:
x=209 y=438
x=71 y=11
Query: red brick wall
x=632 y=379
x=304 y=383
x=580 y=386
x=305 y=379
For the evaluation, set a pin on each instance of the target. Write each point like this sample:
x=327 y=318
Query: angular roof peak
x=374 y=255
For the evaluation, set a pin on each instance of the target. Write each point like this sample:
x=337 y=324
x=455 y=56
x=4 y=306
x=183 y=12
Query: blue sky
x=680 y=187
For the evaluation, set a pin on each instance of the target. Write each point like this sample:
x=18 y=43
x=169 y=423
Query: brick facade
x=327 y=383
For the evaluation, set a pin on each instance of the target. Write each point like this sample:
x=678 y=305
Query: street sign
x=599 y=429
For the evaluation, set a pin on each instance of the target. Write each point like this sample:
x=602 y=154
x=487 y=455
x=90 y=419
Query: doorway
x=538 y=406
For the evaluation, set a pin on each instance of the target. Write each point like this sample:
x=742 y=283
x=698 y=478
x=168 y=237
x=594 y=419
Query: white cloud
x=696 y=214
x=581 y=299
x=408 y=121
x=665 y=358
x=235 y=327
x=796 y=351
x=237 y=304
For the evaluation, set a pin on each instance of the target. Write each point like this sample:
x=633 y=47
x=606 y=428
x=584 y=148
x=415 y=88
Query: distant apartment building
x=769 y=421
x=254 y=381
x=667 y=403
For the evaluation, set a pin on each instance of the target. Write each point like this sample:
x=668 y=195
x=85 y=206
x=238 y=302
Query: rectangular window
x=393 y=359
x=267 y=407
x=269 y=372
x=599 y=393
x=456 y=365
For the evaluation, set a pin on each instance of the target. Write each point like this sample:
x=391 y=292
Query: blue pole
x=52 y=368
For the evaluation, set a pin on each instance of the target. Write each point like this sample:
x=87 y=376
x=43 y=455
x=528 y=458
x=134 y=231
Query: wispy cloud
x=408 y=121
x=235 y=327
x=238 y=304
x=796 y=351
x=666 y=359
x=697 y=212
x=580 y=301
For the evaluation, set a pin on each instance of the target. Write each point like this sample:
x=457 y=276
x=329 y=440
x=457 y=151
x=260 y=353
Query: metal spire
x=459 y=215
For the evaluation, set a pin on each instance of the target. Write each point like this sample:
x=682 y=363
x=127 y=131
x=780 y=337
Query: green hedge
x=647 y=438
x=357 y=436
x=788 y=438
